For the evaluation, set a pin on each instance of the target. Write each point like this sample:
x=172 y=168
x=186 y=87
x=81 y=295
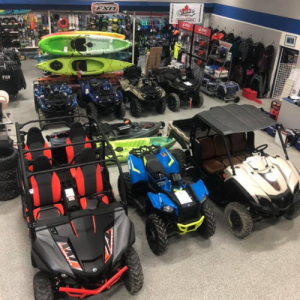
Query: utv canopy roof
x=235 y=118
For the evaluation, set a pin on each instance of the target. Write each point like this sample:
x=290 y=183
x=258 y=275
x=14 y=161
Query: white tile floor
x=264 y=266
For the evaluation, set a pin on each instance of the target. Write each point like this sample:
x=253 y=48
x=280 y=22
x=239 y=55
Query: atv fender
x=200 y=190
x=168 y=161
x=160 y=200
x=136 y=169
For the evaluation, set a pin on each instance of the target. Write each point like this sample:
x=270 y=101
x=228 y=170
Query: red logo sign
x=186 y=11
x=105 y=8
x=202 y=30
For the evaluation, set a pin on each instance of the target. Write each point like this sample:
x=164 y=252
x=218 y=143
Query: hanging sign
x=101 y=8
x=189 y=12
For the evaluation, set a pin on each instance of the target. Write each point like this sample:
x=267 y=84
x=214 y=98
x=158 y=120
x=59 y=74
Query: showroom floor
x=263 y=266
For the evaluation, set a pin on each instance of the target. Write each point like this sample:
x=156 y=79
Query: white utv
x=251 y=184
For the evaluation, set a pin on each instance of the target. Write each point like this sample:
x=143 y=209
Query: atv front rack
x=82 y=292
x=143 y=150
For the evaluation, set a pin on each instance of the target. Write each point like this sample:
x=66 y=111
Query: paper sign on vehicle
x=187 y=83
x=65 y=49
x=70 y=194
x=183 y=197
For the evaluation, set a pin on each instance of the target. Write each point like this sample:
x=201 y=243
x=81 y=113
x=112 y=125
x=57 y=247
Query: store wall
x=284 y=8
x=276 y=14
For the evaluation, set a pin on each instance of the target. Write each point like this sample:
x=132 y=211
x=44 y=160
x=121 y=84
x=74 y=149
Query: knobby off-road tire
x=8 y=185
x=208 y=227
x=179 y=155
x=198 y=100
x=173 y=102
x=135 y=107
x=120 y=111
x=156 y=234
x=161 y=106
x=80 y=99
x=134 y=277
x=293 y=212
x=9 y=195
x=8 y=159
x=8 y=175
x=76 y=112
x=239 y=220
x=91 y=110
x=42 y=118
x=128 y=188
x=42 y=287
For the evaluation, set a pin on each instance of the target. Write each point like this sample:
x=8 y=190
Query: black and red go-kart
x=81 y=236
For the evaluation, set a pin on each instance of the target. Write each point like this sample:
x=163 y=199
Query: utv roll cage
x=24 y=174
x=230 y=119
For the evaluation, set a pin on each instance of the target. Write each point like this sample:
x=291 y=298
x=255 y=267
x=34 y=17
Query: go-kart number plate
x=187 y=83
x=183 y=197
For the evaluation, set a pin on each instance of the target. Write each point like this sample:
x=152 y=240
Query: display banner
x=189 y=12
x=202 y=30
x=105 y=8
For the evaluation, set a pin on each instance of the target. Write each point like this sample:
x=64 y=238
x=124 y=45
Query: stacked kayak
x=82 y=65
x=123 y=147
x=82 y=45
x=111 y=34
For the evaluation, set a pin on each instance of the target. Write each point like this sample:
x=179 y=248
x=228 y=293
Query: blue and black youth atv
x=54 y=100
x=154 y=184
x=99 y=94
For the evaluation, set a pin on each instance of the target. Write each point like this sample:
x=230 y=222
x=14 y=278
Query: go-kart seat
x=46 y=191
x=153 y=166
x=89 y=181
x=35 y=140
x=209 y=163
x=221 y=152
x=238 y=144
x=76 y=135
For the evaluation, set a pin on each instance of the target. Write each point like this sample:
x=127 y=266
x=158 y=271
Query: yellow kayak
x=103 y=33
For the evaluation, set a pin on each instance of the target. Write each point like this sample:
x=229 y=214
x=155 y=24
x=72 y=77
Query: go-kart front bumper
x=185 y=228
x=82 y=292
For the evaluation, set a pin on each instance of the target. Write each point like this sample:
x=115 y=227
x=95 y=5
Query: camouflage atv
x=140 y=92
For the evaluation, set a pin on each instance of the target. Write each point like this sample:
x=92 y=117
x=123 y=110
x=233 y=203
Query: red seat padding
x=76 y=135
x=47 y=212
x=35 y=140
x=93 y=203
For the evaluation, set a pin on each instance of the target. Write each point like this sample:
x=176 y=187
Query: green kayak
x=123 y=147
x=82 y=65
x=82 y=45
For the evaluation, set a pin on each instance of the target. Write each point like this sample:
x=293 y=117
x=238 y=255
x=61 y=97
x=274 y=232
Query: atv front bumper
x=185 y=228
x=274 y=209
x=82 y=292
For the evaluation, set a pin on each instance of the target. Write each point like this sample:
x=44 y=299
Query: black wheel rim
x=236 y=221
x=171 y=103
x=152 y=236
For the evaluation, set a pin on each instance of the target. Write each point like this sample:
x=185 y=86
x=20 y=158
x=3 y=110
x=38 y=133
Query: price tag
x=187 y=83
x=70 y=194
x=183 y=197
x=65 y=49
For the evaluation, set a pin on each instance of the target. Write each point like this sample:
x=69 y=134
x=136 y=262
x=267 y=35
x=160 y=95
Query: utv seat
x=221 y=152
x=89 y=181
x=35 y=140
x=153 y=166
x=46 y=191
x=76 y=135
x=238 y=144
x=209 y=163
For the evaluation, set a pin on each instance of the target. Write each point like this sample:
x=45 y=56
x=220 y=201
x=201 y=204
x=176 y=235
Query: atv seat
x=238 y=145
x=221 y=152
x=153 y=166
x=89 y=181
x=46 y=191
x=76 y=135
x=171 y=76
x=35 y=140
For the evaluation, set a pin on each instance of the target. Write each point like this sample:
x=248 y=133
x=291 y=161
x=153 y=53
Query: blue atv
x=53 y=100
x=155 y=186
x=95 y=95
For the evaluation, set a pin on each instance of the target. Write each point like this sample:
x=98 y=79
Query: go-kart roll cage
x=234 y=119
x=25 y=174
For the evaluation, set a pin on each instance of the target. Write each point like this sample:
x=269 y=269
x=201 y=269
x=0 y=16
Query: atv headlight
x=167 y=209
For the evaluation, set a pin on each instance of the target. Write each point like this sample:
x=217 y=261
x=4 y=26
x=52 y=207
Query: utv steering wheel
x=260 y=149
